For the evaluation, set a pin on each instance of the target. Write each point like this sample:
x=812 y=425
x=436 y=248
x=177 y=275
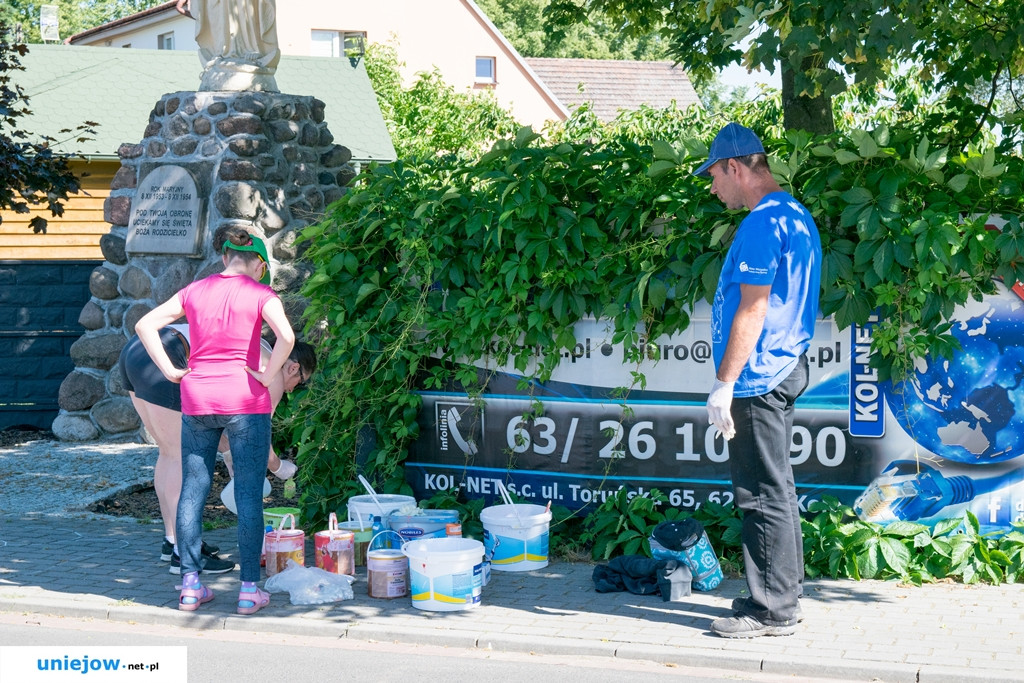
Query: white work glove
x=719 y=405
x=286 y=470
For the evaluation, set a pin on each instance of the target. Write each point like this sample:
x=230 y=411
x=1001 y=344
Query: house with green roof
x=45 y=278
x=116 y=89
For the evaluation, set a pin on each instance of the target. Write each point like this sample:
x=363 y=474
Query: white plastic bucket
x=445 y=574
x=516 y=536
x=362 y=508
x=429 y=524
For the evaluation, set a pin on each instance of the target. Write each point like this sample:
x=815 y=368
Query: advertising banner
x=946 y=440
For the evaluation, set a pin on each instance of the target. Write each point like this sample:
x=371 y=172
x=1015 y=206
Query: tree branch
x=991 y=102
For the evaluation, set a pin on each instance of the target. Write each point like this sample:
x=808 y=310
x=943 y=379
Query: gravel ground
x=55 y=478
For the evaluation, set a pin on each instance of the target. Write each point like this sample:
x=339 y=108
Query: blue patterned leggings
x=249 y=438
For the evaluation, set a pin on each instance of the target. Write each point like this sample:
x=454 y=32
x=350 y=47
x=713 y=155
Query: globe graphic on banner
x=970 y=408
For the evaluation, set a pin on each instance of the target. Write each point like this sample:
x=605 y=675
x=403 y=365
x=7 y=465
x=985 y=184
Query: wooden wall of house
x=44 y=283
x=73 y=236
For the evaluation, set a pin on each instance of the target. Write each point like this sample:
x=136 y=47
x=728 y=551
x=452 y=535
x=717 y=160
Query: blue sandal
x=191 y=598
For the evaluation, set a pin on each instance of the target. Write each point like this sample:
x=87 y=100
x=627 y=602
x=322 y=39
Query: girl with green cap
x=224 y=390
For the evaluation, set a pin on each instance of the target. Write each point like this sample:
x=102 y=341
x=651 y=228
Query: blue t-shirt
x=777 y=244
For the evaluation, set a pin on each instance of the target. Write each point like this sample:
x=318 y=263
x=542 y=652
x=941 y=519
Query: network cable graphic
x=908 y=490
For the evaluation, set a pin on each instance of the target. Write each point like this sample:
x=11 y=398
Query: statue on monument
x=237 y=43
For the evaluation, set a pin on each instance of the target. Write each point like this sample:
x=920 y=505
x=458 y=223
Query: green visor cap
x=256 y=245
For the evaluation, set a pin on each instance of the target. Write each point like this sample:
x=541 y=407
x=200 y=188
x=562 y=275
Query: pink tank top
x=225 y=316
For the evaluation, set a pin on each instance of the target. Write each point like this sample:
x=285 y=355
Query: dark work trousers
x=762 y=479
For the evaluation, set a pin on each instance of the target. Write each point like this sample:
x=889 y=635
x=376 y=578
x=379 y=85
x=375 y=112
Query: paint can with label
x=284 y=544
x=334 y=548
x=387 y=574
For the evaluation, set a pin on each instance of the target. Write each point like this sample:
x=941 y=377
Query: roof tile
x=611 y=85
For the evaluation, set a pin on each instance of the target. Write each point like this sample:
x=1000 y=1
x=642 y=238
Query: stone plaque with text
x=166 y=214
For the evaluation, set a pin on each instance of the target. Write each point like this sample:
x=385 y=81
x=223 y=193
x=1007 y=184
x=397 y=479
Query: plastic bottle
x=379 y=538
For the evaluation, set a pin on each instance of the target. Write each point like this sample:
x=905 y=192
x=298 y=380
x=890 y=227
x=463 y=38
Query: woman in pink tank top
x=224 y=391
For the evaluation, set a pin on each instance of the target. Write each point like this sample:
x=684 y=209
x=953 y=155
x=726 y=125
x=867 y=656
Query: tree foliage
x=823 y=45
x=74 y=15
x=431 y=117
x=522 y=23
x=31 y=174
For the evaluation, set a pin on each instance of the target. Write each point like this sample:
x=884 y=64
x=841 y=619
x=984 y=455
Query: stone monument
x=242 y=154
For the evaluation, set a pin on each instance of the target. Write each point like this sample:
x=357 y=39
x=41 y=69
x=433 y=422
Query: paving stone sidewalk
x=56 y=559
x=110 y=569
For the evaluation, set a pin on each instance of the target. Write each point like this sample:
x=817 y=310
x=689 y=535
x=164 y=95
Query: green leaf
x=657 y=292
x=857 y=195
x=844 y=156
x=904 y=529
x=883 y=259
x=660 y=168
x=665 y=152
x=867 y=147
x=854 y=309
x=897 y=555
x=422 y=209
x=525 y=136
x=365 y=290
x=945 y=526
x=958 y=183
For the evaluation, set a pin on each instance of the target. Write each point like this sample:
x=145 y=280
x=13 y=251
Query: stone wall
x=266 y=161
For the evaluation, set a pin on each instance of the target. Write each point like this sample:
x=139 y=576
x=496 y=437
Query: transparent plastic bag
x=310 y=585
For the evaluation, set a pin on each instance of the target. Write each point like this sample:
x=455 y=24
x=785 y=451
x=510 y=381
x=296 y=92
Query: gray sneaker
x=739 y=604
x=746 y=626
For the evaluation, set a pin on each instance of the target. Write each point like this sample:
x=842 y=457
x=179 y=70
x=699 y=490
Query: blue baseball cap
x=732 y=141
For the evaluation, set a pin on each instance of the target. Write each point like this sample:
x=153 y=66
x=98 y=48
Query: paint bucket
x=334 y=549
x=445 y=574
x=516 y=536
x=429 y=524
x=362 y=508
x=282 y=545
x=387 y=574
x=362 y=532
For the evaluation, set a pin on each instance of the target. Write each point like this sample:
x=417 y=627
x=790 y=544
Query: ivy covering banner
x=514 y=256
x=950 y=439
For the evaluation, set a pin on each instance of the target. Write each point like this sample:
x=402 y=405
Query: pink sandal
x=252 y=601
x=191 y=598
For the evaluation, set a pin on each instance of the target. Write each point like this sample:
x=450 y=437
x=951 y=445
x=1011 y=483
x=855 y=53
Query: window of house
x=165 y=41
x=485 y=70
x=337 y=43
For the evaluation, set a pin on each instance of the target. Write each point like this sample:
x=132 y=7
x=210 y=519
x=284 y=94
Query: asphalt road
x=240 y=657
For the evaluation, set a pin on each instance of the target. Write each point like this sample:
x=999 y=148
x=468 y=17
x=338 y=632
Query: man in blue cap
x=762 y=322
